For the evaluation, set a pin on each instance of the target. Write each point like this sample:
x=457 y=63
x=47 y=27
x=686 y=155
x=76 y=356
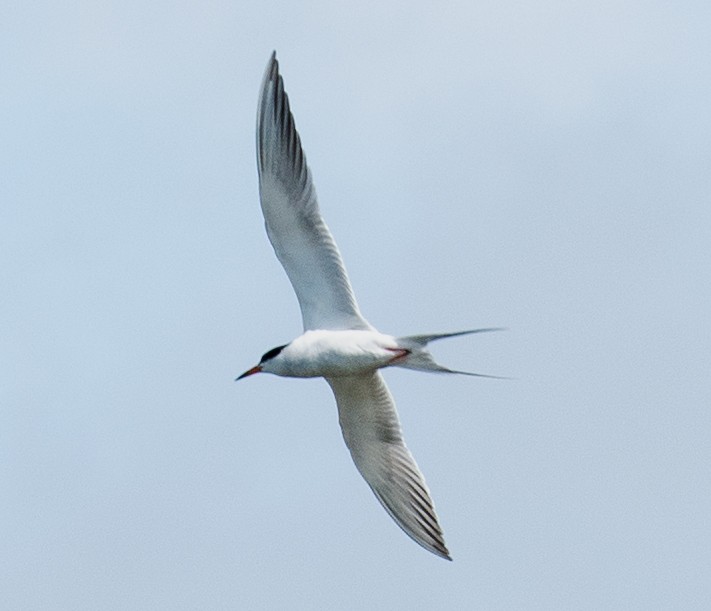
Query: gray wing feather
x=301 y=240
x=371 y=429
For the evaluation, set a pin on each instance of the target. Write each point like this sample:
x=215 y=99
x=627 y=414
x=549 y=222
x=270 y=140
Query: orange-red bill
x=249 y=372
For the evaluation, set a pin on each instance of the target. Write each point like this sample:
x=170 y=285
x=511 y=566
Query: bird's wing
x=371 y=428
x=302 y=241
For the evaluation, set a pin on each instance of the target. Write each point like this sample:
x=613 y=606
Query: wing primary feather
x=371 y=429
x=300 y=237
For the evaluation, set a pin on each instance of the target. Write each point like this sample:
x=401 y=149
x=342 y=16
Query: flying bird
x=338 y=343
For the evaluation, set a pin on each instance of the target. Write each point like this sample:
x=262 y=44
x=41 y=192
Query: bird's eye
x=270 y=354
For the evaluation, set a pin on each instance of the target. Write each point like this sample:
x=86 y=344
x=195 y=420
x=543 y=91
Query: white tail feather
x=420 y=358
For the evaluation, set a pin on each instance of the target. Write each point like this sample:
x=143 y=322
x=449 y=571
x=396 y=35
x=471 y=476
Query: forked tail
x=421 y=359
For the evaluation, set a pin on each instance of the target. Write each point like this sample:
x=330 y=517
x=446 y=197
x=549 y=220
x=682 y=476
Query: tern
x=338 y=343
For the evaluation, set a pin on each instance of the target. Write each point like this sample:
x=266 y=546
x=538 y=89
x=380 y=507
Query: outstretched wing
x=302 y=241
x=371 y=428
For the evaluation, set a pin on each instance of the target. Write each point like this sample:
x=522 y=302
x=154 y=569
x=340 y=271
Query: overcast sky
x=540 y=166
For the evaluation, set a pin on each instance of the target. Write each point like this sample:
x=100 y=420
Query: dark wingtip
x=442 y=552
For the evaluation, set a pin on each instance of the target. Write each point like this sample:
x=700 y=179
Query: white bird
x=338 y=344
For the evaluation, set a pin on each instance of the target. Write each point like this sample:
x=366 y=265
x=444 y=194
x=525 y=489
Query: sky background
x=539 y=166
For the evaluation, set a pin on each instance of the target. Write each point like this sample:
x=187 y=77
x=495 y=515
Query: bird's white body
x=338 y=344
x=334 y=354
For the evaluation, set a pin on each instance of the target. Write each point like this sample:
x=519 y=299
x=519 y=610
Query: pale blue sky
x=540 y=166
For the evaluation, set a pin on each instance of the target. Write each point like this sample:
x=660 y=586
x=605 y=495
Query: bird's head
x=265 y=363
